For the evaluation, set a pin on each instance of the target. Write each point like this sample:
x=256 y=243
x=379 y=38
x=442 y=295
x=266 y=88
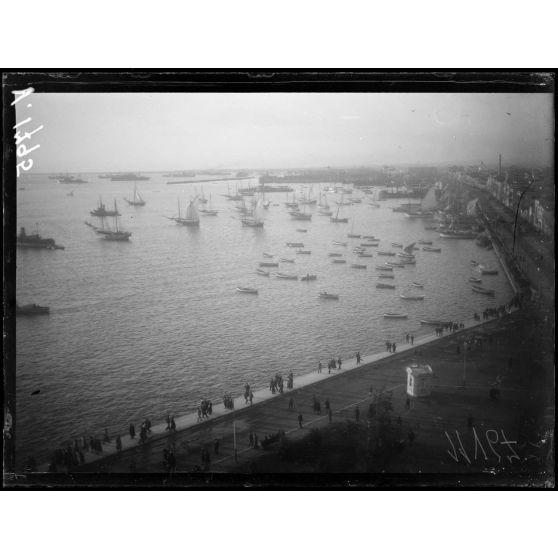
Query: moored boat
x=338 y=261
x=308 y=277
x=286 y=276
x=269 y=264
x=364 y=255
x=306 y=252
x=417 y=285
x=327 y=295
x=295 y=244
x=431 y=249
x=263 y=272
x=386 y=275
x=382 y=253
x=358 y=266
x=411 y=297
x=482 y=290
x=286 y=260
x=32 y=309
x=384 y=267
x=247 y=290
x=35 y=240
x=384 y=286
x=487 y=270
x=427 y=242
x=395 y=264
x=395 y=315
x=334 y=254
x=475 y=279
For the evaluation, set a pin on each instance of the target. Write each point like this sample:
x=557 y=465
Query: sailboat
x=209 y=212
x=102 y=211
x=256 y=217
x=427 y=206
x=191 y=219
x=338 y=219
x=137 y=199
x=115 y=235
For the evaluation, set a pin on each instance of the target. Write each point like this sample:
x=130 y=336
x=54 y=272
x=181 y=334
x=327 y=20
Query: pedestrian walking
x=339 y=363
x=291 y=403
x=330 y=415
x=319 y=367
x=407 y=403
x=412 y=339
x=329 y=367
x=394 y=346
x=106 y=438
x=252 y=397
x=148 y=425
x=118 y=444
x=172 y=425
x=168 y=423
x=407 y=338
x=358 y=357
x=388 y=345
x=132 y=431
x=300 y=420
x=357 y=414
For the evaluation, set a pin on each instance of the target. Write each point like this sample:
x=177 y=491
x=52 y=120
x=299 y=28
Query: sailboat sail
x=429 y=202
x=409 y=249
x=192 y=212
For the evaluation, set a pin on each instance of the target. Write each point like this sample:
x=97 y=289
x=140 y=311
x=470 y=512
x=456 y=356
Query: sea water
x=149 y=327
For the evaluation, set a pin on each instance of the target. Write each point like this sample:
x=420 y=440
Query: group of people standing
x=391 y=346
x=276 y=383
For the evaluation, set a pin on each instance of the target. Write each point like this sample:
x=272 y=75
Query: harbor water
x=149 y=327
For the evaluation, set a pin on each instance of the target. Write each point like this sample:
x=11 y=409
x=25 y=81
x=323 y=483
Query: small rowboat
x=371 y=237
x=328 y=296
x=339 y=243
x=351 y=235
x=325 y=213
x=358 y=250
x=487 y=270
x=395 y=264
x=286 y=260
x=301 y=230
x=334 y=255
x=431 y=249
x=308 y=277
x=386 y=253
x=269 y=264
x=373 y=204
x=286 y=276
x=475 y=280
x=397 y=245
x=384 y=268
x=386 y=276
x=417 y=285
x=338 y=261
x=303 y=251
x=362 y=255
x=394 y=315
x=358 y=266
x=371 y=244
x=295 y=244
x=425 y=242
x=482 y=290
x=411 y=297
x=262 y=272
x=247 y=290
x=384 y=286
x=267 y=255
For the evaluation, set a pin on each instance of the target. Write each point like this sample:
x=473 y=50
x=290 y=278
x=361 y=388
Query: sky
x=93 y=132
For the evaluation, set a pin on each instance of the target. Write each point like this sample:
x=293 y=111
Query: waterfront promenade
x=345 y=389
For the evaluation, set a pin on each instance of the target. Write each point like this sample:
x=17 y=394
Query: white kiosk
x=419 y=380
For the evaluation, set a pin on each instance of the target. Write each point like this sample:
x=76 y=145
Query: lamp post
x=464 y=362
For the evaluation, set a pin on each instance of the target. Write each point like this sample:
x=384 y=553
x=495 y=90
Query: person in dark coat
x=357 y=414
x=300 y=420
x=132 y=431
x=118 y=444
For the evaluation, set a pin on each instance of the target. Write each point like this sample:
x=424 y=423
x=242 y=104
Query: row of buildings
x=532 y=190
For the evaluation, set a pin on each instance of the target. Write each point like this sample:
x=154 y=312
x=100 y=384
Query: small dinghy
x=431 y=249
x=411 y=297
x=269 y=264
x=338 y=261
x=301 y=230
x=286 y=276
x=295 y=244
x=358 y=266
x=263 y=272
x=475 y=280
x=384 y=286
x=384 y=268
x=286 y=260
x=308 y=277
x=482 y=290
x=381 y=253
x=329 y=296
x=305 y=252
x=397 y=245
x=362 y=255
x=417 y=285
x=338 y=243
x=247 y=290
x=334 y=255
x=395 y=315
x=386 y=276
x=428 y=242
